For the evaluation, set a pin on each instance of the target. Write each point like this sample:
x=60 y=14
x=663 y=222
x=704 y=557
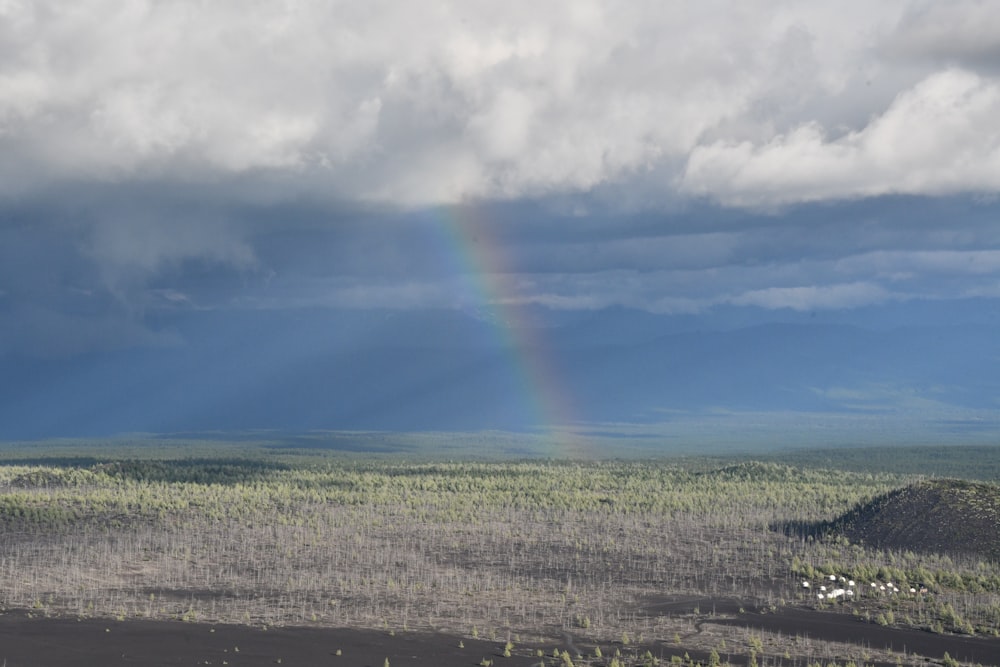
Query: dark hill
x=940 y=516
x=755 y=471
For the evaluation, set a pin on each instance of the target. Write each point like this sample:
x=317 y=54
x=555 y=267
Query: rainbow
x=471 y=246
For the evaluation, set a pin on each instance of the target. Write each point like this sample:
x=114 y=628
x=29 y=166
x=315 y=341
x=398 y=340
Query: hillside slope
x=941 y=516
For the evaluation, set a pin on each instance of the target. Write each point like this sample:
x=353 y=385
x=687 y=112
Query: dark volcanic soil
x=65 y=642
x=836 y=627
x=934 y=516
x=844 y=628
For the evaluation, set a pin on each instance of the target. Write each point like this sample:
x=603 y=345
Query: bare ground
x=65 y=642
x=30 y=640
x=809 y=633
x=846 y=629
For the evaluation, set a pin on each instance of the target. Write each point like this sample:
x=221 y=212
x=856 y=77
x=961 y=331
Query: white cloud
x=422 y=104
x=877 y=397
x=939 y=137
x=342 y=292
x=811 y=297
x=502 y=130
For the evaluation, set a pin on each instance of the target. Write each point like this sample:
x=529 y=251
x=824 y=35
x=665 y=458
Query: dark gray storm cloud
x=112 y=271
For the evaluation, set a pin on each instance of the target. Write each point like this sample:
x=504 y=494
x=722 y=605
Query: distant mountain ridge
x=453 y=370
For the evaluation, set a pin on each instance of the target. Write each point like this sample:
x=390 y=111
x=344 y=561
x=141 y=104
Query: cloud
x=937 y=138
x=898 y=264
x=928 y=31
x=385 y=101
x=131 y=246
x=811 y=297
x=82 y=271
x=872 y=397
x=188 y=155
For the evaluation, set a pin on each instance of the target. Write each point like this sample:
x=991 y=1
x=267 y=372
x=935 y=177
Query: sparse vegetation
x=526 y=546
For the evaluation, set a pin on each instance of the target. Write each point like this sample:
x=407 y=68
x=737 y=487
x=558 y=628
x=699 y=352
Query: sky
x=173 y=159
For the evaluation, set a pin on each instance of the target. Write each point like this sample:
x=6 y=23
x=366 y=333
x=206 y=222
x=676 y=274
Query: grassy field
x=626 y=551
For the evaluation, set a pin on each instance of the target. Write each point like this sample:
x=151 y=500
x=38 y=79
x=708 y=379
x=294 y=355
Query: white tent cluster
x=838 y=587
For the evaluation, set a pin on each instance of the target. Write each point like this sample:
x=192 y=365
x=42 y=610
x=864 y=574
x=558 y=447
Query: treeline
x=974 y=462
x=195 y=471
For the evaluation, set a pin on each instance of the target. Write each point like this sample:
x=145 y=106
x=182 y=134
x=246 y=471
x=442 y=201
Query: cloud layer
x=429 y=104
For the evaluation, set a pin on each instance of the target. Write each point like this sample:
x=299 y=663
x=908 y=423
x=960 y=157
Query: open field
x=672 y=557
